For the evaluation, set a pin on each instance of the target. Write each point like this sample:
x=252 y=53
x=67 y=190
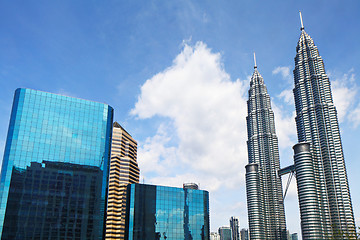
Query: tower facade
x=55 y=170
x=234 y=226
x=159 y=212
x=263 y=185
x=124 y=170
x=225 y=233
x=244 y=234
x=317 y=124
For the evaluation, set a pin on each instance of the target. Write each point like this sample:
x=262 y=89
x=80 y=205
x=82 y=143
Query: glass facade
x=157 y=212
x=54 y=174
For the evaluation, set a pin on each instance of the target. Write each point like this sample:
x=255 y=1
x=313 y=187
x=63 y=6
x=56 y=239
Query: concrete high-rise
x=244 y=233
x=225 y=233
x=214 y=236
x=263 y=185
x=294 y=236
x=55 y=170
x=124 y=170
x=234 y=227
x=329 y=210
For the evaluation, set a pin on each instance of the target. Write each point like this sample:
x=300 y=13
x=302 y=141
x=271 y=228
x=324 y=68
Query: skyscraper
x=294 y=236
x=158 y=212
x=317 y=124
x=234 y=226
x=225 y=233
x=244 y=233
x=54 y=174
x=124 y=170
x=263 y=185
x=214 y=236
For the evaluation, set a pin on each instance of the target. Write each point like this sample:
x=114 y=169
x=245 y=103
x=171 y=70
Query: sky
x=177 y=74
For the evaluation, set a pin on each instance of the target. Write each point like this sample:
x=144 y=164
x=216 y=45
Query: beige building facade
x=124 y=170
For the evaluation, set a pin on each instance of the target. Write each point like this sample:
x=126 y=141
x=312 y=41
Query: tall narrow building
x=234 y=227
x=317 y=124
x=124 y=170
x=263 y=185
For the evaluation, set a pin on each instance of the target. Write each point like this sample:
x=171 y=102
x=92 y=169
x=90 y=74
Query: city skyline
x=139 y=60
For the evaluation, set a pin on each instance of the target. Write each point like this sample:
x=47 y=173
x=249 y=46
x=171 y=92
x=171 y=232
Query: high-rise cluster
x=263 y=185
x=69 y=172
x=323 y=189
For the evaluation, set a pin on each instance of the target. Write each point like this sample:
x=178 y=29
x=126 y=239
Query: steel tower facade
x=263 y=185
x=317 y=124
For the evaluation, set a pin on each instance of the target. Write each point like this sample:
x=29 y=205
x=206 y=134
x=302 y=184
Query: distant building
x=294 y=236
x=158 y=212
x=288 y=236
x=225 y=233
x=234 y=227
x=244 y=233
x=124 y=170
x=214 y=236
x=54 y=174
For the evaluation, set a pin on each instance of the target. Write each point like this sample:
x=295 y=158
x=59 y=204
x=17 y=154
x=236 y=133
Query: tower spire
x=301 y=20
x=255 y=61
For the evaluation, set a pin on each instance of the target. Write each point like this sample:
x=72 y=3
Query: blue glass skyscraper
x=160 y=213
x=55 y=169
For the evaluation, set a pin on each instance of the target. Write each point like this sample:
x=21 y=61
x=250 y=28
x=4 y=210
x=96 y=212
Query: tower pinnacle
x=255 y=61
x=301 y=20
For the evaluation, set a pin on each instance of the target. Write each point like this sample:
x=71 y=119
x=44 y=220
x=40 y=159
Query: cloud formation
x=344 y=92
x=202 y=136
x=284 y=71
x=284 y=110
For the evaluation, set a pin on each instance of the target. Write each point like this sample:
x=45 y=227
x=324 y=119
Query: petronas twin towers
x=264 y=191
x=323 y=190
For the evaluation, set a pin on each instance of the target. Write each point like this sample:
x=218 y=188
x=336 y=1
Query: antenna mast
x=255 y=60
x=301 y=20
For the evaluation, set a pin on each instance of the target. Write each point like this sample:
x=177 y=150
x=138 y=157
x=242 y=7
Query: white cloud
x=354 y=116
x=284 y=71
x=287 y=94
x=156 y=155
x=207 y=113
x=344 y=93
x=285 y=126
x=64 y=92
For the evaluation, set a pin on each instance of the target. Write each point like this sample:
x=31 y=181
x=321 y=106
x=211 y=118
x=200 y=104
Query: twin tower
x=323 y=190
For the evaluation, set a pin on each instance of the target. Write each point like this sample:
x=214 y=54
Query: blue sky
x=177 y=74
